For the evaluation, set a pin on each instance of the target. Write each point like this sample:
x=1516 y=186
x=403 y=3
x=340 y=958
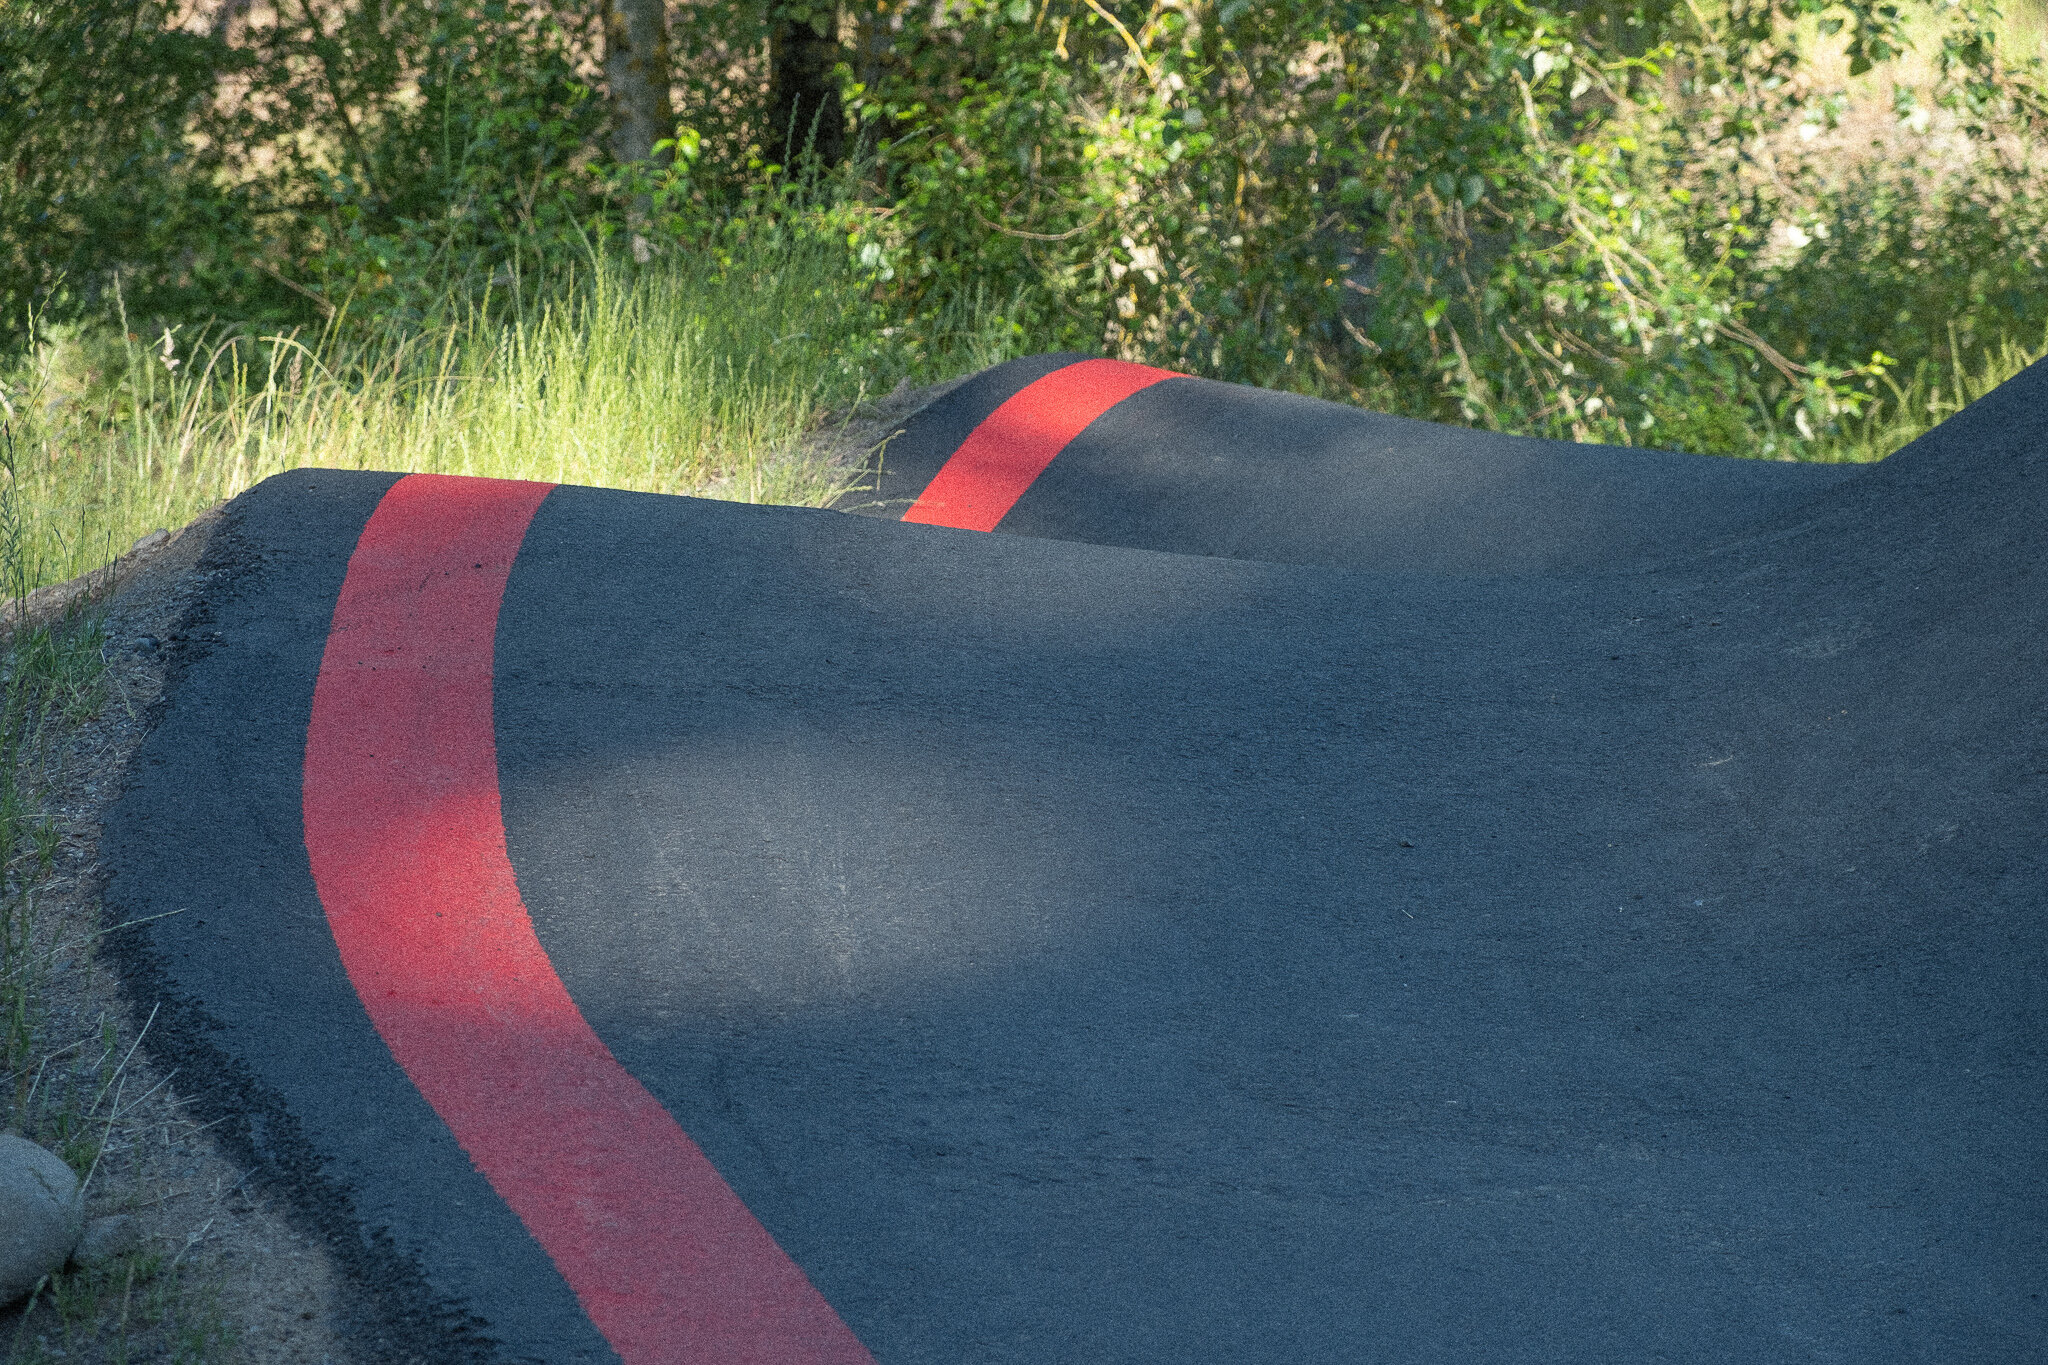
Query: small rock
x=150 y=541
x=147 y=644
x=41 y=1211
x=107 y=1239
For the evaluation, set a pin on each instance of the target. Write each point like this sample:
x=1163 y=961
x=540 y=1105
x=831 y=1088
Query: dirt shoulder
x=848 y=437
x=222 y=1273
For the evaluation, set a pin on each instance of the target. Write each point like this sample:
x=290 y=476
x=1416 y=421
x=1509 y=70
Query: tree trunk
x=804 y=112
x=636 y=69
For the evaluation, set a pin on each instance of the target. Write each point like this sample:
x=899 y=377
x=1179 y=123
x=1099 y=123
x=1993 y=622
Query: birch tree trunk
x=636 y=70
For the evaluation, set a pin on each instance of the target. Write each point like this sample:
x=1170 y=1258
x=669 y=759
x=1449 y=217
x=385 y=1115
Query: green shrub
x=1534 y=217
x=1530 y=218
x=110 y=163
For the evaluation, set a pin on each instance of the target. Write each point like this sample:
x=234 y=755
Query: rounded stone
x=42 y=1213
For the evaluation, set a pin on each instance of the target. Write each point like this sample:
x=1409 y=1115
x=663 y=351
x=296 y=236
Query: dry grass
x=707 y=377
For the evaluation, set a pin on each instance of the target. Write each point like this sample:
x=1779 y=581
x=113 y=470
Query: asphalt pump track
x=1311 y=887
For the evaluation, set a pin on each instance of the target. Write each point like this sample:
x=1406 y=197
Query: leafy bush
x=1919 y=265
x=110 y=154
x=1525 y=217
x=1562 y=220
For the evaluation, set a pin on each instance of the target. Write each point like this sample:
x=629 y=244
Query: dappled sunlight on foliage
x=1503 y=214
x=1633 y=221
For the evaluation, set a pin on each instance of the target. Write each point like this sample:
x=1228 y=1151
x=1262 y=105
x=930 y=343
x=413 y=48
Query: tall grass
x=1906 y=409
x=65 y=1076
x=704 y=374
x=698 y=375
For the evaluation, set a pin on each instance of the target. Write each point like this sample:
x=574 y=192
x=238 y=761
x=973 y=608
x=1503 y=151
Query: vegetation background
x=659 y=244
x=649 y=242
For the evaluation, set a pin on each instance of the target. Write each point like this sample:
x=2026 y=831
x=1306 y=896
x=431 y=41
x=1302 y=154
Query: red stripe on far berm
x=1004 y=456
x=407 y=841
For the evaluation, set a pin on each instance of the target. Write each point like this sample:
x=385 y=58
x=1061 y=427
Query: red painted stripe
x=408 y=851
x=1002 y=457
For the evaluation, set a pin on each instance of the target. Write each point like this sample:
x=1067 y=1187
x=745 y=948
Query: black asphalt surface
x=1192 y=466
x=1562 y=905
